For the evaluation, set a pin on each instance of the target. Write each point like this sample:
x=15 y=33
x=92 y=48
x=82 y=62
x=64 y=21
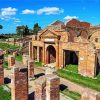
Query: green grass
x=71 y=94
x=6 y=46
x=38 y=64
x=79 y=79
x=4 y=95
x=5 y=64
x=73 y=68
x=19 y=57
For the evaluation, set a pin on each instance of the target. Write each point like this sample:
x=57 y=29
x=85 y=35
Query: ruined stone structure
x=47 y=88
x=30 y=69
x=90 y=95
x=11 y=61
x=19 y=83
x=73 y=43
x=40 y=88
x=25 y=59
x=52 y=87
x=1 y=67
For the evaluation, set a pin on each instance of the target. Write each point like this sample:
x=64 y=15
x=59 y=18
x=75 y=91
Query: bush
x=4 y=95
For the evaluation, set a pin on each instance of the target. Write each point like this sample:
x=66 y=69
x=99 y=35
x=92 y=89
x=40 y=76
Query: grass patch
x=73 y=68
x=5 y=64
x=19 y=57
x=38 y=64
x=79 y=79
x=71 y=94
x=4 y=95
x=6 y=46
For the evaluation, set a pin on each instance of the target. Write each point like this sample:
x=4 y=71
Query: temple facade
x=62 y=44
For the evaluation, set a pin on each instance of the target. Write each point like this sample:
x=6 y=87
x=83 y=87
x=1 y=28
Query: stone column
x=1 y=67
x=30 y=69
x=19 y=84
x=30 y=50
x=40 y=90
x=38 y=54
x=11 y=61
x=57 y=55
x=25 y=59
x=52 y=87
x=90 y=95
x=14 y=54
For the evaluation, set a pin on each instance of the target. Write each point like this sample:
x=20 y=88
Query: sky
x=28 y=12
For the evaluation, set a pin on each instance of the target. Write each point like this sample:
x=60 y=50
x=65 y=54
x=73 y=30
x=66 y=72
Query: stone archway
x=50 y=54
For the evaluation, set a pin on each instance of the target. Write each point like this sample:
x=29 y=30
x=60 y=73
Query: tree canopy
x=1 y=26
x=22 y=30
x=36 y=28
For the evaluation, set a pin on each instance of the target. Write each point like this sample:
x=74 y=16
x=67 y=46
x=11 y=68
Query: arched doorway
x=51 y=54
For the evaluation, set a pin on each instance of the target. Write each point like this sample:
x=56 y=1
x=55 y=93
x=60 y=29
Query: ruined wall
x=1 y=67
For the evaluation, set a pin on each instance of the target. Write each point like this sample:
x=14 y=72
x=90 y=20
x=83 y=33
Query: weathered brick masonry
x=1 y=67
x=47 y=88
x=90 y=95
x=30 y=68
x=72 y=43
x=11 y=61
x=19 y=83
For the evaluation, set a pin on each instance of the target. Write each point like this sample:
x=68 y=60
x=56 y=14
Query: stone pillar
x=38 y=54
x=11 y=61
x=90 y=95
x=19 y=84
x=30 y=68
x=1 y=67
x=14 y=54
x=25 y=59
x=40 y=90
x=52 y=87
x=57 y=55
x=30 y=50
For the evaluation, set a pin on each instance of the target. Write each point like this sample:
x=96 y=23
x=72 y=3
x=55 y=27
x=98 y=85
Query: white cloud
x=50 y=11
x=7 y=13
x=27 y=11
x=70 y=17
x=16 y=20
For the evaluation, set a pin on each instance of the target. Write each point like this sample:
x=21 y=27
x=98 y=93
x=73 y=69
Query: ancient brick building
x=62 y=44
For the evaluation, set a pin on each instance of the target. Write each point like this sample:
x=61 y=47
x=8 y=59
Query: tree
x=36 y=28
x=22 y=30
x=1 y=27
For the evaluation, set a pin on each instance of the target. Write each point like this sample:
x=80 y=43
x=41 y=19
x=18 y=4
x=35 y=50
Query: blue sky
x=29 y=12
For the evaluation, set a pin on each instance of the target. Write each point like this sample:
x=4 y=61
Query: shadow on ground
x=38 y=75
x=31 y=96
x=7 y=80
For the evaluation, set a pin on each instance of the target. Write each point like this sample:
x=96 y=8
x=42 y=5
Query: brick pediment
x=49 y=33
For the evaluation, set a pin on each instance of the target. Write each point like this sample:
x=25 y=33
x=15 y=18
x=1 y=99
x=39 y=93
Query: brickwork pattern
x=30 y=68
x=1 y=67
x=90 y=95
x=11 y=61
x=40 y=88
x=19 y=83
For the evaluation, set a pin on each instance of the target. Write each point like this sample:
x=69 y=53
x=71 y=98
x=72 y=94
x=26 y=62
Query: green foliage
x=71 y=94
x=36 y=28
x=4 y=95
x=5 y=64
x=22 y=30
x=79 y=79
x=73 y=68
x=1 y=26
x=19 y=57
x=6 y=46
x=38 y=64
